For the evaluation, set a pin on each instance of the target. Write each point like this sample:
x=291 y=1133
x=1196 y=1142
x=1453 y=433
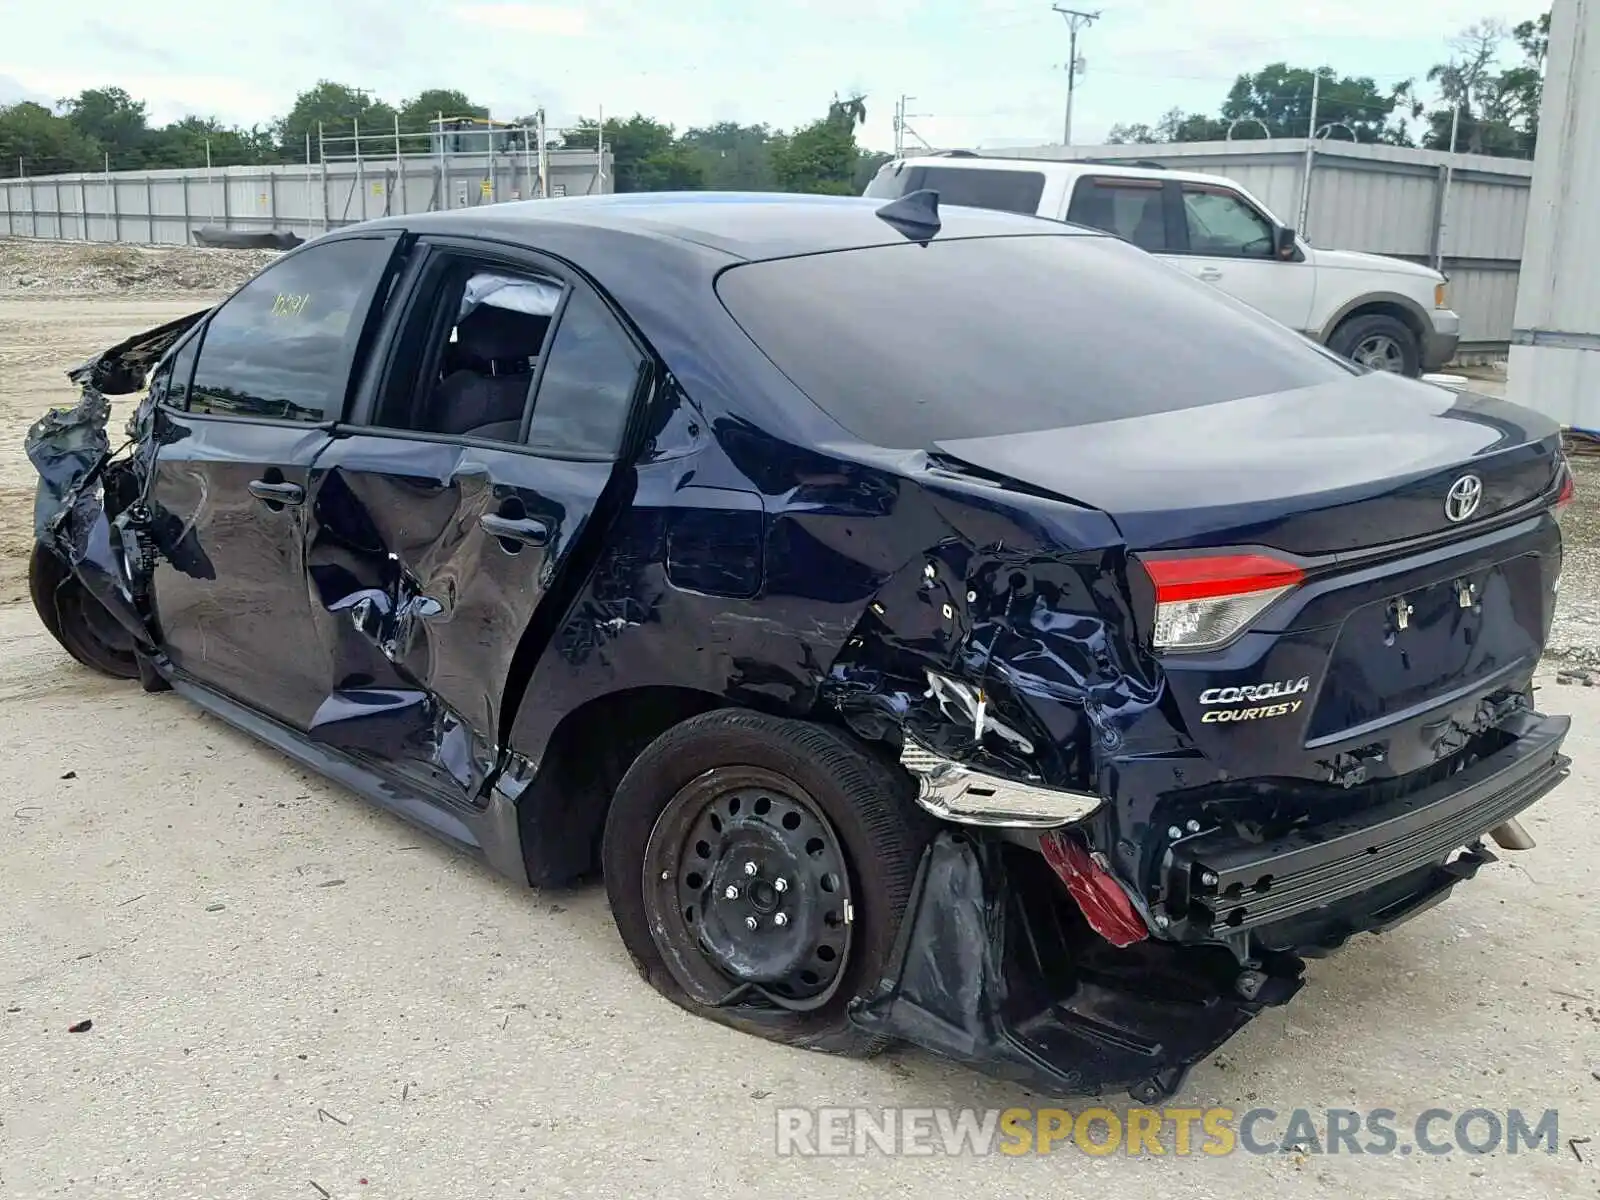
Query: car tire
x=710 y=799
x=1381 y=342
x=78 y=621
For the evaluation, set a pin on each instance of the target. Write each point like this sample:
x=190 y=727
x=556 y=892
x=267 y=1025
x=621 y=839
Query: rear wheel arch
x=561 y=816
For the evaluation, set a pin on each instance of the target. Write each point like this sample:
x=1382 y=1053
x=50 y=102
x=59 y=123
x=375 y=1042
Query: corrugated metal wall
x=1381 y=200
x=166 y=206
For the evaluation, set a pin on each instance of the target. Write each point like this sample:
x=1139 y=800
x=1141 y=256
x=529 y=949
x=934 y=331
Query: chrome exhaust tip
x=1512 y=836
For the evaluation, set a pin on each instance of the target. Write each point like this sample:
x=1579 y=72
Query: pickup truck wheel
x=77 y=620
x=1380 y=342
x=758 y=869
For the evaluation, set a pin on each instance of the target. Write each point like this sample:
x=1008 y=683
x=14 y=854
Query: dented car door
x=432 y=549
x=245 y=409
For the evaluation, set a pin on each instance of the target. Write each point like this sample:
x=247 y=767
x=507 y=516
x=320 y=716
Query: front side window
x=1221 y=224
x=1129 y=208
x=281 y=347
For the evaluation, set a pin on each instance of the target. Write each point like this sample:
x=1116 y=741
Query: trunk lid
x=1322 y=470
x=1329 y=681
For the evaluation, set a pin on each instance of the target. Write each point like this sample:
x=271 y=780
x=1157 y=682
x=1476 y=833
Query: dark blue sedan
x=947 y=626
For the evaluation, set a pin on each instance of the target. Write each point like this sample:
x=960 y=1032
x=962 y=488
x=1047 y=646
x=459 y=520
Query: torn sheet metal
x=70 y=450
x=994 y=967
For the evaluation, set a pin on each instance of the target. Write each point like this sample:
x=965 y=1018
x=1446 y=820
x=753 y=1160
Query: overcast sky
x=983 y=71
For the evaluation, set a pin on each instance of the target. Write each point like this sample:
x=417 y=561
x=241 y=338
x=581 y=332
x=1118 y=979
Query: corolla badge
x=1245 y=703
x=1461 y=501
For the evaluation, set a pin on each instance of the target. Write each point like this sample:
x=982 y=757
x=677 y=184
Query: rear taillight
x=1204 y=600
x=1569 y=488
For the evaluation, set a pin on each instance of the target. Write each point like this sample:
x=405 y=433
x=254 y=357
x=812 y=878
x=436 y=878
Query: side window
x=1008 y=191
x=1221 y=224
x=466 y=362
x=1129 y=208
x=588 y=386
x=281 y=347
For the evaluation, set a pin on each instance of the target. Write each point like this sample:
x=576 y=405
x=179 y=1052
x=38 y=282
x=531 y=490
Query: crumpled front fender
x=70 y=450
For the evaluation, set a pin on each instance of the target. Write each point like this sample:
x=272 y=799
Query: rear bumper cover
x=996 y=967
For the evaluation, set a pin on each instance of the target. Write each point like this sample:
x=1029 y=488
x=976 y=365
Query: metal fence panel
x=164 y=207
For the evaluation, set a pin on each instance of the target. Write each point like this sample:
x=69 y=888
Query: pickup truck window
x=280 y=347
x=1129 y=208
x=1221 y=224
x=975 y=187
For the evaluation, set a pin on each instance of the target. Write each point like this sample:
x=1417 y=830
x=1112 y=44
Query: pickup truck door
x=245 y=406
x=455 y=505
x=1225 y=240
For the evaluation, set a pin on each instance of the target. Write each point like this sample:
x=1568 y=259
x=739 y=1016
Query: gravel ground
x=293 y=994
x=106 y=269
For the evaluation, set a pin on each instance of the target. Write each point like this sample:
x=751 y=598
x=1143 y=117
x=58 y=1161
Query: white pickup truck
x=1385 y=313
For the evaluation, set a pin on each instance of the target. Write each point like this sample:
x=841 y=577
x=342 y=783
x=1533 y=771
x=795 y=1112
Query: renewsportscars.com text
x=1180 y=1132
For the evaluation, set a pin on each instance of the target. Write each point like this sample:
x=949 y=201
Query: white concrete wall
x=1555 y=352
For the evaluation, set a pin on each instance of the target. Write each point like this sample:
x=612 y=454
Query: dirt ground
x=294 y=995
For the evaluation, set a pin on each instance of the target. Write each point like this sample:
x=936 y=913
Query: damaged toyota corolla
x=954 y=627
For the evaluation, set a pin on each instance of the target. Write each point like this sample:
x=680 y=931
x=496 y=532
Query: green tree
x=646 y=154
x=734 y=157
x=821 y=157
x=184 y=143
x=1279 y=96
x=1179 y=126
x=1492 y=110
x=114 y=120
x=420 y=112
x=338 y=108
x=35 y=141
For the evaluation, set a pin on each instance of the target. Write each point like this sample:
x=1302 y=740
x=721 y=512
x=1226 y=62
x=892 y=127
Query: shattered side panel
x=421 y=607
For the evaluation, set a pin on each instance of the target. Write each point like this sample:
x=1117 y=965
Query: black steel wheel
x=77 y=620
x=758 y=869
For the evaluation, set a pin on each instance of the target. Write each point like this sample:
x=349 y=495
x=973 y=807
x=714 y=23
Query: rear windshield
x=908 y=345
x=975 y=187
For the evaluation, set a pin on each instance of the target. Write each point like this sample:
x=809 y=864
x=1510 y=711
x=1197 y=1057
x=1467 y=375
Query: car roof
x=1072 y=166
x=741 y=225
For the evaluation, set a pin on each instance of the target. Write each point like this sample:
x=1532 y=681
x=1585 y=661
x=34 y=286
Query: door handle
x=277 y=493
x=530 y=531
x=1209 y=274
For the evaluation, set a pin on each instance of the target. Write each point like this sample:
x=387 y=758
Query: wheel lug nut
x=750 y=922
x=780 y=885
x=732 y=893
x=749 y=868
x=780 y=919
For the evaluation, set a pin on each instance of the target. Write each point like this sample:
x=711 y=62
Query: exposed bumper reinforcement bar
x=1219 y=886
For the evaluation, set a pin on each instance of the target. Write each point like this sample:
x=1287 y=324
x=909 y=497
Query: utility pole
x=1076 y=20
x=901 y=128
x=1311 y=150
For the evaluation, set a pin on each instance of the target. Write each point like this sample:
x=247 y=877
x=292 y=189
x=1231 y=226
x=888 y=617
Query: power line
x=1076 y=20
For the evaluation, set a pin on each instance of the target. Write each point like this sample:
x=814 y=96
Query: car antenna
x=916 y=214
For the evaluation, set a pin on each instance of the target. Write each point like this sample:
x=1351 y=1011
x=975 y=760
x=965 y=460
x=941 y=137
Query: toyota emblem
x=1461 y=501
